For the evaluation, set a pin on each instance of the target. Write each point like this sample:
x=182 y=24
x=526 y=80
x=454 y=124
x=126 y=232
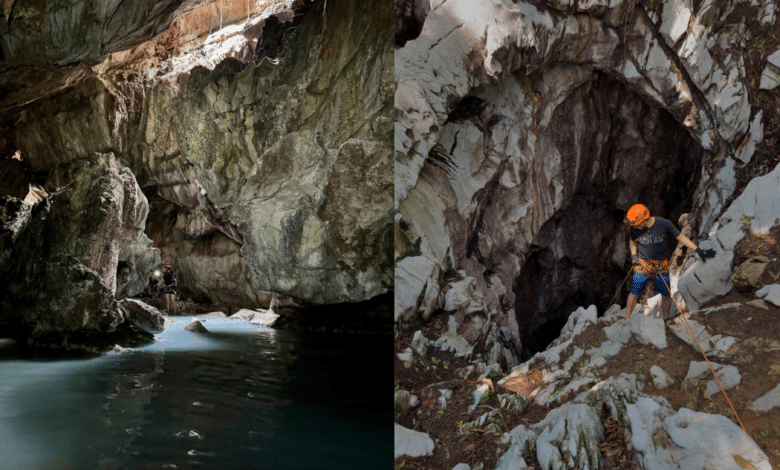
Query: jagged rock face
x=279 y=167
x=59 y=257
x=47 y=46
x=524 y=132
x=300 y=167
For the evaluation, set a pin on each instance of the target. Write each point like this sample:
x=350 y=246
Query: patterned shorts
x=646 y=268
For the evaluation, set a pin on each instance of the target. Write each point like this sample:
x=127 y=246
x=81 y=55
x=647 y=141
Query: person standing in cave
x=647 y=245
x=171 y=283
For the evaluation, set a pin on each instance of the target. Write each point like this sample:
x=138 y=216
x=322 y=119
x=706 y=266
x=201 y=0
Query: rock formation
x=260 y=136
x=524 y=132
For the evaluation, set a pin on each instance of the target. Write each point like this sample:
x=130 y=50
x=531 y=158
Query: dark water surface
x=239 y=397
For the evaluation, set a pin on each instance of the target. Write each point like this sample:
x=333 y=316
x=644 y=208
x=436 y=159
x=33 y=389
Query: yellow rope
x=705 y=356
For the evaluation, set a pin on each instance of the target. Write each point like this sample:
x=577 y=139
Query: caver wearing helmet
x=171 y=283
x=647 y=245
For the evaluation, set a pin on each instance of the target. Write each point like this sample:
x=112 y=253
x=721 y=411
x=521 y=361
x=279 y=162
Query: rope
x=705 y=356
x=621 y=286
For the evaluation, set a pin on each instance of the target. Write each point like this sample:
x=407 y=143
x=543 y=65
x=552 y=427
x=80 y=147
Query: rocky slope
x=520 y=128
x=255 y=138
x=610 y=392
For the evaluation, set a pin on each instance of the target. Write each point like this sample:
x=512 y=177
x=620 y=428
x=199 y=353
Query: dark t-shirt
x=652 y=241
x=153 y=281
x=168 y=278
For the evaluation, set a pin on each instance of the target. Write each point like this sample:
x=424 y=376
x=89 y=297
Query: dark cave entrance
x=637 y=154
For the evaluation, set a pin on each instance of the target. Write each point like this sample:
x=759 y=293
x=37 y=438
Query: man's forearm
x=687 y=242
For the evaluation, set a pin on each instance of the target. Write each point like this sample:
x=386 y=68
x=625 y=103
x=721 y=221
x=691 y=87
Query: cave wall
x=484 y=193
x=278 y=166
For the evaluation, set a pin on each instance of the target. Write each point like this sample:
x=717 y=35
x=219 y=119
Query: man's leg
x=666 y=304
x=168 y=304
x=637 y=288
x=661 y=282
x=173 y=301
x=630 y=304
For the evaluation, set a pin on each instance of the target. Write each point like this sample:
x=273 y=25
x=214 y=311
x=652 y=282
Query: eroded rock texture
x=525 y=130
x=60 y=256
x=264 y=147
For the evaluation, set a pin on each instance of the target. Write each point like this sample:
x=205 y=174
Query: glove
x=705 y=254
x=634 y=259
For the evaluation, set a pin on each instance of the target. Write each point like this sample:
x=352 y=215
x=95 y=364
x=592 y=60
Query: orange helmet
x=636 y=215
x=166 y=265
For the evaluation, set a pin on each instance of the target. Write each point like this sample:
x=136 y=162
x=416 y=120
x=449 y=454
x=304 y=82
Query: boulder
x=263 y=318
x=411 y=443
x=142 y=315
x=648 y=330
x=702 y=281
x=748 y=275
x=196 y=327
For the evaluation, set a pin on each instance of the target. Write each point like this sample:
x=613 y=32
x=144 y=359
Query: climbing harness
x=705 y=358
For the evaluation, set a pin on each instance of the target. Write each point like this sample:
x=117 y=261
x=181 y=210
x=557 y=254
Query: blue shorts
x=639 y=279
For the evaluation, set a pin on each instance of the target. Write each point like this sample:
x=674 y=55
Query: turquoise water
x=239 y=397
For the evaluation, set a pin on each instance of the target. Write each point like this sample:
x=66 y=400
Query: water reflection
x=219 y=400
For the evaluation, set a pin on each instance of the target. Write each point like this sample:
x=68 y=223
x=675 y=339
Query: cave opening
x=636 y=153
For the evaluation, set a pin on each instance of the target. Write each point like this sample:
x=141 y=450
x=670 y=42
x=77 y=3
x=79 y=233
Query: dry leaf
x=743 y=463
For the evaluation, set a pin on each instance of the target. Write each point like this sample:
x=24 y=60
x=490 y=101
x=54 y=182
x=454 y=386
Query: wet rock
x=196 y=327
x=748 y=274
x=142 y=315
x=213 y=315
x=262 y=318
x=411 y=443
x=770 y=293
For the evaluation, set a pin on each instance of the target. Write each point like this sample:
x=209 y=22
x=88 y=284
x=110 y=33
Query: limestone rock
x=262 y=318
x=411 y=443
x=767 y=401
x=196 y=327
x=699 y=330
x=712 y=278
x=749 y=273
x=660 y=378
x=420 y=343
x=729 y=376
x=648 y=330
x=770 y=77
x=574 y=430
x=693 y=431
x=758 y=303
x=142 y=315
x=136 y=263
x=404 y=401
x=770 y=293
x=407 y=357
